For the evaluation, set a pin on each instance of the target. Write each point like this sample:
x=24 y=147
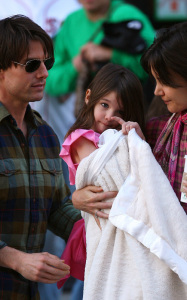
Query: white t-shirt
x=49 y=14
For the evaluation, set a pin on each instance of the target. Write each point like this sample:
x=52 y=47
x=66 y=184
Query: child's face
x=106 y=108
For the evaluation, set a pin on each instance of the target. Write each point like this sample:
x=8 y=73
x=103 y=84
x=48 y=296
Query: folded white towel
x=141 y=252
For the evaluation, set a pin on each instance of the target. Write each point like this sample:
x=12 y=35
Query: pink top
x=65 y=153
x=74 y=253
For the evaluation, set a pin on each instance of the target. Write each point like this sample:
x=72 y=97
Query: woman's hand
x=127 y=126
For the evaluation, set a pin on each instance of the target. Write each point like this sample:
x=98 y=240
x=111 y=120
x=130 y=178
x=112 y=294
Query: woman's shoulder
x=154 y=128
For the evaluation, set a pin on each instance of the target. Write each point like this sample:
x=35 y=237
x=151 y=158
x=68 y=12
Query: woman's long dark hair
x=113 y=78
x=167 y=55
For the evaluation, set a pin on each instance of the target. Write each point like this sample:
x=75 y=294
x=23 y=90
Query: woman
x=166 y=61
x=166 y=58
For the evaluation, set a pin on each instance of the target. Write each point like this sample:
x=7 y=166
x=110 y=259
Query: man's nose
x=42 y=71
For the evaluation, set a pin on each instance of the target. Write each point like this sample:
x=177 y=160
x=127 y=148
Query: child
x=114 y=95
x=99 y=154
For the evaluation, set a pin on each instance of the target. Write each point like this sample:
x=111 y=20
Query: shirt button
x=33 y=229
x=22 y=145
x=34 y=200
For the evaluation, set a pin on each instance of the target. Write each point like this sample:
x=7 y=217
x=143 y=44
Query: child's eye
x=105 y=105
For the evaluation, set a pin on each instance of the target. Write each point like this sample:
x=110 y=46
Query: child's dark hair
x=113 y=78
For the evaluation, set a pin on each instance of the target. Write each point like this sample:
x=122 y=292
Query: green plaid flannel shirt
x=33 y=195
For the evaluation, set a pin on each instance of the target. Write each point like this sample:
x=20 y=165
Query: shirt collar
x=3 y=112
x=31 y=116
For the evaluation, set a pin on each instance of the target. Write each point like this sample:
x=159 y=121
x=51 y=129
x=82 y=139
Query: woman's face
x=174 y=98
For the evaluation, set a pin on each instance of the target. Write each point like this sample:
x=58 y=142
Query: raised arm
x=127 y=126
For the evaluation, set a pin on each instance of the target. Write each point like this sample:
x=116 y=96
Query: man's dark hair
x=15 y=34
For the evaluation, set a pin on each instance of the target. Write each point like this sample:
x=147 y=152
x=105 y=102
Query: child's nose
x=109 y=115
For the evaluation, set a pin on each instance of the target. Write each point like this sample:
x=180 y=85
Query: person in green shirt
x=80 y=39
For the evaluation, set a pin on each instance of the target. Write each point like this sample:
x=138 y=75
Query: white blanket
x=141 y=252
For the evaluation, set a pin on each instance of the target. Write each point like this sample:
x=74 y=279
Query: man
x=49 y=15
x=33 y=192
x=32 y=189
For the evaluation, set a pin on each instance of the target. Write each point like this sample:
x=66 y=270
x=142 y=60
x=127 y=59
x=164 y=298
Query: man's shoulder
x=46 y=132
x=71 y=21
x=75 y=15
x=41 y=121
x=38 y=117
x=124 y=11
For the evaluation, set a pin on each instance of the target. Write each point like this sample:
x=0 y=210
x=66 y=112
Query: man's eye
x=104 y=105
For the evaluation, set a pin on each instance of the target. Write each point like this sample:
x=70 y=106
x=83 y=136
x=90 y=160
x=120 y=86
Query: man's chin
x=35 y=99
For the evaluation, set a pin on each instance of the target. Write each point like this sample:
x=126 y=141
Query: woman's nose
x=158 y=90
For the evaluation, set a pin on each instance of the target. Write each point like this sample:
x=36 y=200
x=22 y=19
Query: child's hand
x=127 y=126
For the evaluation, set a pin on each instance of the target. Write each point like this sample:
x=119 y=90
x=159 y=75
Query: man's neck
x=97 y=15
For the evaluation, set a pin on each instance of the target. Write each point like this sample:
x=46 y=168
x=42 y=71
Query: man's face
x=16 y=85
x=95 y=6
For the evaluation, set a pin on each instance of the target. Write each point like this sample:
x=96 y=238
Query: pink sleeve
x=65 y=153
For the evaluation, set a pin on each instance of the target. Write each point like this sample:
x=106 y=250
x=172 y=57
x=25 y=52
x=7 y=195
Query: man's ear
x=87 y=97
